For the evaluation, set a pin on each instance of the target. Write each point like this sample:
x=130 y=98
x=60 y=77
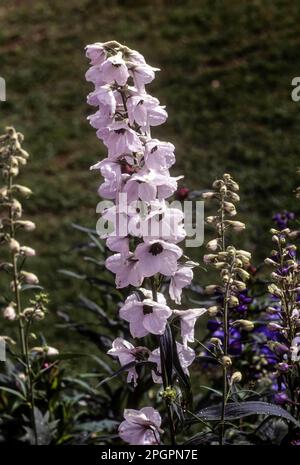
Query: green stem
x=163 y=370
x=22 y=336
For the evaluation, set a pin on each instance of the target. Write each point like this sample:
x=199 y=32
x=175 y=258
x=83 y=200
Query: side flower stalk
x=12 y=158
x=232 y=264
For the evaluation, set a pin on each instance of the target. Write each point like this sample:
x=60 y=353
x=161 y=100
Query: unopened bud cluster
x=12 y=158
x=232 y=265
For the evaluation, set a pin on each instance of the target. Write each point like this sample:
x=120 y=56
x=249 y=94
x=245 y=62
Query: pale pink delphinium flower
x=149 y=185
x=141 y=427
x=181 y=278
x=126 y=353
x=115 y=69
x=159 y=155
x=120 y=139
x=126 y=269
x=105 y=96
x=145 y=111
x=188 y=320
x=158 y=256
x=145 y=316
x=96 y=53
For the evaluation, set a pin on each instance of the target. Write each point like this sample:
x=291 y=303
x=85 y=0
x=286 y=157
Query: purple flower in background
x=282 y=219
x=244 y=301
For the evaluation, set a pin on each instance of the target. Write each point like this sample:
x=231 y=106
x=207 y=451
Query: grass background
x=226 y=81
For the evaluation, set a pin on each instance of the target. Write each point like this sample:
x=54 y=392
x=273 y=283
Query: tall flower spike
x=284 y=312
x=12 y=158
x=137 y=168
x=231 y=264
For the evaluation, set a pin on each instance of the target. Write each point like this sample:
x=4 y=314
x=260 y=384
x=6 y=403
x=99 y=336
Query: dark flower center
x=156 y=248
x=120 y=131
x=147 y=309
x=153 y=149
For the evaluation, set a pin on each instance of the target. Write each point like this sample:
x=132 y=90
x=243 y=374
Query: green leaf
x=83 y=229
x=98 y=426
x=12 y=391
x=166 y=355
x=72 y=274
x=30 y=287
x=236 y=410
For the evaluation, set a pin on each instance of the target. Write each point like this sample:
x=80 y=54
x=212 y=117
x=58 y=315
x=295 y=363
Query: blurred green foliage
x=226 y=81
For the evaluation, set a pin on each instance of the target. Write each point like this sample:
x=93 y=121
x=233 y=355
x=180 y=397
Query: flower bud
x=23 y=153
x=243 y=274
x=51 y=351
x=9 y=312
x=230 y=208
x=3 y=192
x=23 y=190
x=226 y=360
x=269 y=261
x=27 y=251
x=233 y=196
x=236 y=377
x=273 y=289
x=236 y=225
x=208 y=195
x=209 y=258
x=246 y=325
x=216 y=341
x=213 y=311
x=274 y=327
x=16 y=208
x=26 y=225
x=211 y=289
x=233 y=301
x=14 y=245
x=14 y=171
x=240 y=285
x=212 y=245
x=211 y=219
x=29 y=278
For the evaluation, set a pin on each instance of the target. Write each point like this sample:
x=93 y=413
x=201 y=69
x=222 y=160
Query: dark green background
x=226 y=71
